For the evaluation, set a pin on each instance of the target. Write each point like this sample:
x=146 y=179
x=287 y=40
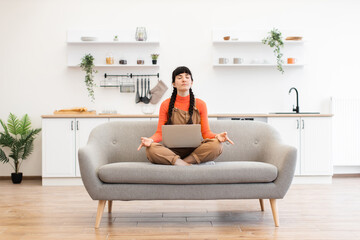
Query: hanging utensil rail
x=144 y=75
x=126 y=82
x=119 y=75
x=132 y=75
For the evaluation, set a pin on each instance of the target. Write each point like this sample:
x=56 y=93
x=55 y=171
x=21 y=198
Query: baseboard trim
x=346 y=169
x=326 y=179
x=354 y=175
x=62 y=181
x=24 y=177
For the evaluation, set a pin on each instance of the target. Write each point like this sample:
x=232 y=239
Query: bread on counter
x=78 y=110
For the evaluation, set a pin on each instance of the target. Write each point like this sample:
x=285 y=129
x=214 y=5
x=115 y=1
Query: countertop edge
x=156 y=116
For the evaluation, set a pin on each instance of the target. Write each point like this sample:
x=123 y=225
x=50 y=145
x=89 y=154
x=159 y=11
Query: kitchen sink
x=295 y=113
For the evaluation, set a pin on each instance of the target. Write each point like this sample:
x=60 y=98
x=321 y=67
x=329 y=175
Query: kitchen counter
x=269 y=115
x=99 y=116
x=247 y=115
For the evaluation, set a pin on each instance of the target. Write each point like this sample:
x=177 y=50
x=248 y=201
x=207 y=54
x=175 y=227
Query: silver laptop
x=181 y=136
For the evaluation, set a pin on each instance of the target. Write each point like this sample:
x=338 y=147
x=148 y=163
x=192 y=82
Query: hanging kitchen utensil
x=145 y=100
x=141 y=94
x=149 y=93
x=137 y=97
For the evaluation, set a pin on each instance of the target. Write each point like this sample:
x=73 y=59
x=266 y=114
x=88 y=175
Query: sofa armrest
x=90 y=159
x=284 y=158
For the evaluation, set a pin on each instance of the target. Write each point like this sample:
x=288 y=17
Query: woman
x=183 y=108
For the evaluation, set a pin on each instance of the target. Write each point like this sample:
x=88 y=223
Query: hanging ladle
x=137 y=97
x=149 y=93
x=145 y=99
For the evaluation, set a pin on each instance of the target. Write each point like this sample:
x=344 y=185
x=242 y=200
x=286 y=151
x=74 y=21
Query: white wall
x=35 y=79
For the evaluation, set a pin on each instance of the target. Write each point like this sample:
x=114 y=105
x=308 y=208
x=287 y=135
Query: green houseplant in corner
x=274 y=40
x=87 y=64
x=19 y=138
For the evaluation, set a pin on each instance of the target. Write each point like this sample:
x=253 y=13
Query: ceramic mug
x=291 y=60
x=238 y=60
x=223 y=60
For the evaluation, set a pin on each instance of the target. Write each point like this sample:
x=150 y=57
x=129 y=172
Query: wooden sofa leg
x=110 y=206
x=100 y=211
x=274 y=211
x=262 y=204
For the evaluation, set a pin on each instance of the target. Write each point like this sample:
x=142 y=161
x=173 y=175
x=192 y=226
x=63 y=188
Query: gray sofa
x=258 y=166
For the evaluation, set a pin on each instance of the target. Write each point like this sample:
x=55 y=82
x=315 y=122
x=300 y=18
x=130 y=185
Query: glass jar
x=109 y=59
x=140 y=61
x=140 y=34
x=122 y=60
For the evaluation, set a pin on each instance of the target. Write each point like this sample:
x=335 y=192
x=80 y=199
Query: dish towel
x=157 y=92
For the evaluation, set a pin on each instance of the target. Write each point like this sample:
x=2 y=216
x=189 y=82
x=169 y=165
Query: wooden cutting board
x=294 y=38
x=75 y=112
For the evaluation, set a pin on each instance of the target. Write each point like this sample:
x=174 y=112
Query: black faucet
x=297 y=109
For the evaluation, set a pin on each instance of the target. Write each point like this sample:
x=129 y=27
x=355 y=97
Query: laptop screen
x=181 y=136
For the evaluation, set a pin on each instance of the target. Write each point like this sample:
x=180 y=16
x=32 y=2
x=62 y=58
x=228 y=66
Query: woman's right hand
x=145 y=142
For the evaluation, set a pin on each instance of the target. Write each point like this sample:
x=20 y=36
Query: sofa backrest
x=121 y=139
x=251 y=139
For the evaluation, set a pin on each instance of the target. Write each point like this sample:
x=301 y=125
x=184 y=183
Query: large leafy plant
x=19 y=138
x=87 y=64
x=274 y=40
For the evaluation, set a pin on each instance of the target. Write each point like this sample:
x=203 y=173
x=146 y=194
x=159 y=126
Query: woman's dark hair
x=176 y=72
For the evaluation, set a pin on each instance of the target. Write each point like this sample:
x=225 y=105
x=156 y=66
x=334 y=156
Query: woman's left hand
x=222 y=137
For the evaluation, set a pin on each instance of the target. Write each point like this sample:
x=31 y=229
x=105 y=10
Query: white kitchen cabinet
x=83 y=130
x=289 y=129
x=62 y=137
x=312 y=137
x=58 y=147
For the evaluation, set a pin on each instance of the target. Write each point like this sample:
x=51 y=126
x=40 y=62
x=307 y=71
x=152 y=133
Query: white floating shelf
x=119 y=66
x=113 y=42
x=102 y=44
x=257 y=65
x=255 y=41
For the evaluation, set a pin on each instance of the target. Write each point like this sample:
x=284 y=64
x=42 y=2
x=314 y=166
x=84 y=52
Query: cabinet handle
x=77 y=125
x=72 y=125
x=303 y=123
x=297 y=124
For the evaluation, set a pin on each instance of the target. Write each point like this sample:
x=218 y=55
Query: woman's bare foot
x=180 y=162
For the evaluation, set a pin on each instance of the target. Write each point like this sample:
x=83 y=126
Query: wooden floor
x=31 y=211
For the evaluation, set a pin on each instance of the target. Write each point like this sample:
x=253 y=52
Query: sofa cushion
x=222 y=172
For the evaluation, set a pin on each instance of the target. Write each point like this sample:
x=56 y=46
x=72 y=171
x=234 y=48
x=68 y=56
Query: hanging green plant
x=87 y=64
x=274 y=40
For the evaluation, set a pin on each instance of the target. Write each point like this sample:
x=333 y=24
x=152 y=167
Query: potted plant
x=87 y=64
x=18 y=137
x=274 y=40
x=154 y=58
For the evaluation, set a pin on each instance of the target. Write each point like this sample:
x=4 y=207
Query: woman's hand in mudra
x=222 y=137
x=145 y=142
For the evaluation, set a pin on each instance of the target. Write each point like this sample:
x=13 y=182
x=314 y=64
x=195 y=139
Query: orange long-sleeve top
x=183 y=103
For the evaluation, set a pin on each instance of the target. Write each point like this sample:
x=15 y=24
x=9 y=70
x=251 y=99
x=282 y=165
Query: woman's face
x=183 y=82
